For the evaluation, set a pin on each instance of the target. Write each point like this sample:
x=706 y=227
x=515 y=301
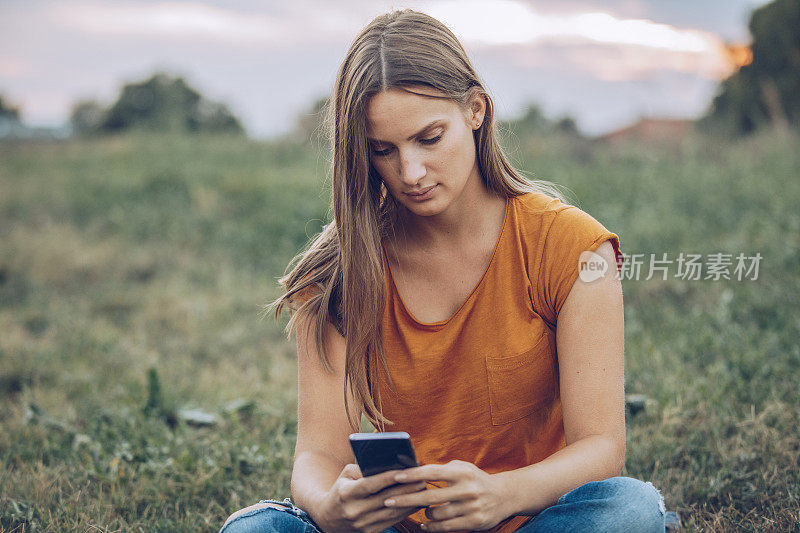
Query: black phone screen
x=379 y=452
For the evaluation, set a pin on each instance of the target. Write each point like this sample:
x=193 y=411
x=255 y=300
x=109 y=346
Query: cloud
x=600 y=44
x=725 y=18
x=603 y=62
x=183 y=21
x=176 y=20
x=614 y=61
x=508 y=21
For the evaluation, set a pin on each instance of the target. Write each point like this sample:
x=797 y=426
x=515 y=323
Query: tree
x=534 y=124
x=161 y=103
x=568 y=126
x=212 y=116
x=7 y=112
x=87 y=117
x=767 y=91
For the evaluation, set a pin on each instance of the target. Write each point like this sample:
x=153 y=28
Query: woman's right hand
x=355 y=503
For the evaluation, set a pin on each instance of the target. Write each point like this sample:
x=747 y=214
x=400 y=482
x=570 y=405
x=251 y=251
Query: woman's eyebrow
x=420 y=132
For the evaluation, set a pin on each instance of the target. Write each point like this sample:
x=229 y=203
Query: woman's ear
x=477 y=107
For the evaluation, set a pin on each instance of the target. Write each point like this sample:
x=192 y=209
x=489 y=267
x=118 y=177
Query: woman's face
x=422 y=145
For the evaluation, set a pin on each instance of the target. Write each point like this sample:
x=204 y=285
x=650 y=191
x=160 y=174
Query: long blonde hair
x=342 y=266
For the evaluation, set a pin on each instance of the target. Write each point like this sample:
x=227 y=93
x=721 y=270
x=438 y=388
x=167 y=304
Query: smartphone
x=379 y=452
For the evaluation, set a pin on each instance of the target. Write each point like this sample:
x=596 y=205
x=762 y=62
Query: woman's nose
x=412 y=168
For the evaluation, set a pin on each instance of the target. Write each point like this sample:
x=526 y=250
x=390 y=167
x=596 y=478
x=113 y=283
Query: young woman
x=445 y=300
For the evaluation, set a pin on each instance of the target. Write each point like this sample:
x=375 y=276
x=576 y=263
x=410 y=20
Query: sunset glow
x=740 y=55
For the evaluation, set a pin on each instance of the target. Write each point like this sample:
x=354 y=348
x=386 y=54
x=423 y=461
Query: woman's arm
x=326 y=482
x=322 y=449
x=590 y=345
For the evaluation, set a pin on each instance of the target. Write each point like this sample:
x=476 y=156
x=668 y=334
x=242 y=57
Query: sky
x=605 y=63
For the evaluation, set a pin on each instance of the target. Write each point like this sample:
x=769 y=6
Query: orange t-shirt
x=482 y=386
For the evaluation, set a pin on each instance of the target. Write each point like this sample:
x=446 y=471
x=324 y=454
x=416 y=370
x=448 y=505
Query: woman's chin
x=424 y=209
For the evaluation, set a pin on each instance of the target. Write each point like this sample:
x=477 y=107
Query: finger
x=402 y=488
x=376 y=501
x=393 y=518
x=426 y=498
x=448 y=510
x=351 y=471
x=372 y=484
x=429 y=473
x=395 y=514
x=371 y=516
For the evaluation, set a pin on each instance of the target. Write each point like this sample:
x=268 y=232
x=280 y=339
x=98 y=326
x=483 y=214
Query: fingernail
x=388 y=502
x=400 y=477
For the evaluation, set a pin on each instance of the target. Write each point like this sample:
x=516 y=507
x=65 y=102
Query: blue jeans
x=614 y=504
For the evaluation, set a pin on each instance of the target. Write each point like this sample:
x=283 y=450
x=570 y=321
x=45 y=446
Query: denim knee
x=631 y=504
x=270 y=519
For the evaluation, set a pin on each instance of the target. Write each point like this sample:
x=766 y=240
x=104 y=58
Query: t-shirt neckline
x=441 y=323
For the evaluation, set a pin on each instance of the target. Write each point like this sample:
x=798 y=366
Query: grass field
x=132 y=271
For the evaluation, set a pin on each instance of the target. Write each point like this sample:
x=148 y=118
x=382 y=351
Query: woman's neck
x=477 y=213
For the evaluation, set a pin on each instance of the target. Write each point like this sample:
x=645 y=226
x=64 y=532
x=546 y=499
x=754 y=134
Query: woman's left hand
x=473 y=500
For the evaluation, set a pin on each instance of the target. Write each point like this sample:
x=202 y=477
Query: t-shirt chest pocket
x=521 y=384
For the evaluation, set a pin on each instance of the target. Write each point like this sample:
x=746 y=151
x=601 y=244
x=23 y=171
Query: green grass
x=126 y=254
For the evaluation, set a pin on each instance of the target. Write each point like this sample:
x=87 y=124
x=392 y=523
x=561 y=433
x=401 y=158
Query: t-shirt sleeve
x=571 y=232
x=303 y=295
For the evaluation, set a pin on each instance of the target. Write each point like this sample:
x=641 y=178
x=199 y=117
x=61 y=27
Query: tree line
x=162 y=103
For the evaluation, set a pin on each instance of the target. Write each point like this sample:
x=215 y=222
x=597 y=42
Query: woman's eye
x=432 y=140
x=387 y=151
x=382 y=152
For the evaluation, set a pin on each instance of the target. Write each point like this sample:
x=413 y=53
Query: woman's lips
x=424 y=194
